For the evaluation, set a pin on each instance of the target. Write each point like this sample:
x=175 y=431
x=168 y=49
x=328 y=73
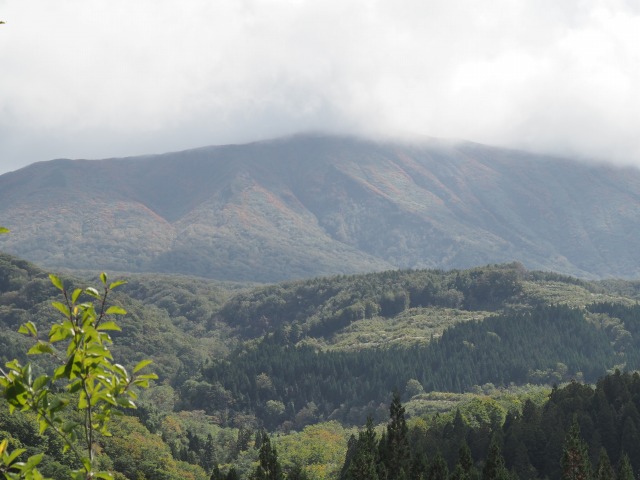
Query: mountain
x=313 y=205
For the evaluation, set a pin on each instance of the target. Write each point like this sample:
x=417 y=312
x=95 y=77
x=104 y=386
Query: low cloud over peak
x=98 y=79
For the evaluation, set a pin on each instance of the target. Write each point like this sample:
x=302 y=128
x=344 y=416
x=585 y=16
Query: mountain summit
x=312 y=205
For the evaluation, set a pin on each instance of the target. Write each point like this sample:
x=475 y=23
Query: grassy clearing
x=413 y=326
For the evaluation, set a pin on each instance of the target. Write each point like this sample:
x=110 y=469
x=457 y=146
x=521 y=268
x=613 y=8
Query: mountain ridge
x=311 y=205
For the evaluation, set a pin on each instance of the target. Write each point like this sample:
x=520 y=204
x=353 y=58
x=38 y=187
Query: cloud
x=97 y=78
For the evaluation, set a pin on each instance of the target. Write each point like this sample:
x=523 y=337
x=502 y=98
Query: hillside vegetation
x=326 y=353
x=294 y=353
x=308 y=205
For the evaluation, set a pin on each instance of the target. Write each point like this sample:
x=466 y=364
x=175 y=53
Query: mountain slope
x=317 y=205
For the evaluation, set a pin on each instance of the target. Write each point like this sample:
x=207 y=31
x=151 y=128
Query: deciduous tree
x=87 y=374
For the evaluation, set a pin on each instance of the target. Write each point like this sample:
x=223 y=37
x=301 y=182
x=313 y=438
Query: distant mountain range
x=312 y=205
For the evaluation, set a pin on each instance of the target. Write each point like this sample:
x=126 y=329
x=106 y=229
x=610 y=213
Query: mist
x=97 y=79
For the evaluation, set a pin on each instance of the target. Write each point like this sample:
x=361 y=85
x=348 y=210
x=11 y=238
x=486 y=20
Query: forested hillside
x=312 y=205
x=578 y=432
x=319 y=356
x=170 y=325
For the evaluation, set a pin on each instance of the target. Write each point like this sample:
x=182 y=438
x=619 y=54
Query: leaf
x=75 y=386
x=57 y=404
x=109 y=399
x=43 y=426
x=76 y=293
x=93 y=292
x=62 y=308
x=82 y=401
x=87 y=463
x=69 y=426
x=4 y=230
x=114 y=310
x=109 y=326
x=39 y=348
x=60 y=332
x=141 y=365
x=40 y=382
x=64 y=371
x=103 y=278
x=119 y=369
x=117 y=283
x=126 y=402
x=3 y=446
x=14 y=393
x=33 y=460
x=103 y=475
x=56 y=282
x=13 y=455
x=28 y=328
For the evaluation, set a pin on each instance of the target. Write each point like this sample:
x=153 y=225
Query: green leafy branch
x=13 y=469
x=95 y=385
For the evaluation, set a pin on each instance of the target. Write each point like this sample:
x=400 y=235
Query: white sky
x=102 y=78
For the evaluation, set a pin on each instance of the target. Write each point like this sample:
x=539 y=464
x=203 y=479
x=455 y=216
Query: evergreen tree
x=363 y=467
x=465 y=459
x=464 y=469
x=625 y=471
x=395 y=453
x=458 y=473
x=297 y=473
x=232 y=474
x=438 y=469
x=208 y=459
x=269 y=467
x=215 y=474
x=604 y=470
x=352 y=445
x=364 y=460
x=419 y=466
x=575 y=458
x=382 y=456
x=494 y=468
x=630 y=440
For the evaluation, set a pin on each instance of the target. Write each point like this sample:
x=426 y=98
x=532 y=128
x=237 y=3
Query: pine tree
x=362 y=467
x=438 y=469
x=419 y=467
x=297 y=473
x=464 y=458
x=630 y=439
x=363 y=464
x=464 y=468
x=494 y=468
x=215 y=474
x=395 y=453
x=575 y=458
x=208 y=459
x=232 y=474
x=269 y=467
x=604 y=470
x=625 y=471
x=352 y=445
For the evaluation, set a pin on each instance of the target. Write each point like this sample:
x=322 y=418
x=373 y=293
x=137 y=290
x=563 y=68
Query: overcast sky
x=103 y=78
